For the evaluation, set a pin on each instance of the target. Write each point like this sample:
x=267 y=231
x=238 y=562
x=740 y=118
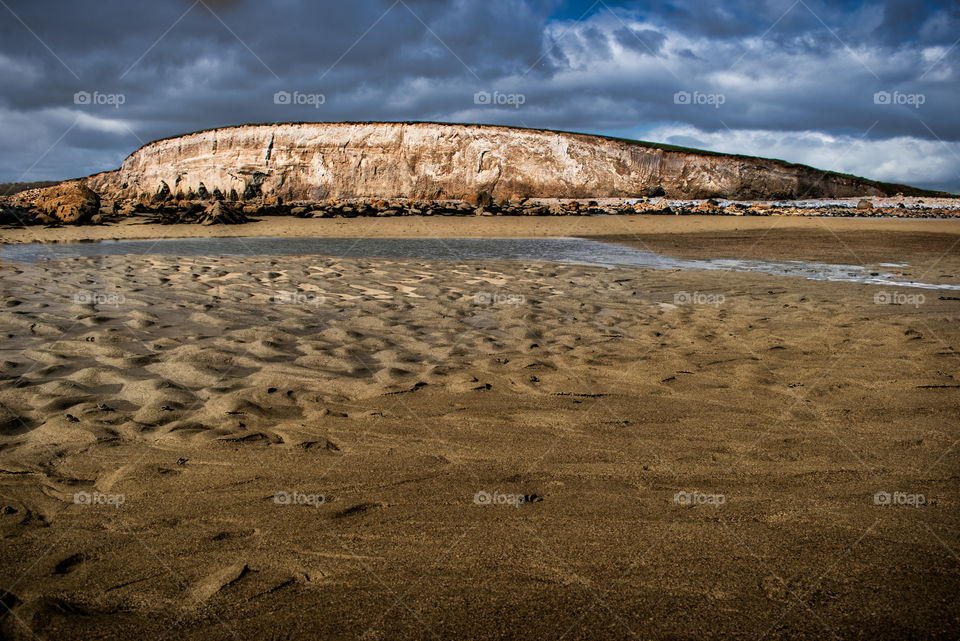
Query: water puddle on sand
x=557 y=250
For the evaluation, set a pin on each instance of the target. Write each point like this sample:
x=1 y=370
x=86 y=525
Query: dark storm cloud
x=223 y=4
x=804 y=73
x=642 y=41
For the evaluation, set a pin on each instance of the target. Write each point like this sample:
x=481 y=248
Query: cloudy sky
x=870 y=88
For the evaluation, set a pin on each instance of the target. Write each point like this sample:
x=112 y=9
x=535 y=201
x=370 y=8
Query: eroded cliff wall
x=319 y=161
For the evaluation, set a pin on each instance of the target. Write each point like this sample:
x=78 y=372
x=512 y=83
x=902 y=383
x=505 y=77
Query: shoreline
x=133 y=228
x=928 y=248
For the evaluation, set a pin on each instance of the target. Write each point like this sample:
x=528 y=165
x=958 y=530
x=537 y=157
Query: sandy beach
x=321 y=447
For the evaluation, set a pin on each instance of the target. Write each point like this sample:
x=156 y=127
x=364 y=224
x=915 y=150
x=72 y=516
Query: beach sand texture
x=303 y=447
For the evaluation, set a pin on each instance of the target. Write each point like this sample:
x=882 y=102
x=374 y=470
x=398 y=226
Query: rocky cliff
x=431 y=161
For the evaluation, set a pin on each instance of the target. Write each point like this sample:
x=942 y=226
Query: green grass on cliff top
x=888 y=189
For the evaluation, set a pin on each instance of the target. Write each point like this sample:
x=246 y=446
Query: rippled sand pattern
x=318 y=447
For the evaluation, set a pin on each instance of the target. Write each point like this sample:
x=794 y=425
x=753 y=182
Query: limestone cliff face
x=319 y=161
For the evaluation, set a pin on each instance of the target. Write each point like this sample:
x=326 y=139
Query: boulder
x=68 y=202
x=864 y=204
x=163 y=192
x=709 y=207
x=479 y=199
x=14 y=215
x=218 y=213
x=127 y=209
x=108 y=208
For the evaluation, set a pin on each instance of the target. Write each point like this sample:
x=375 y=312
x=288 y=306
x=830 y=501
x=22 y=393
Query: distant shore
x=136 y=227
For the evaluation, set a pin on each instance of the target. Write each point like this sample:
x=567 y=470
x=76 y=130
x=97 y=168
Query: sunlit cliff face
x=436 y=161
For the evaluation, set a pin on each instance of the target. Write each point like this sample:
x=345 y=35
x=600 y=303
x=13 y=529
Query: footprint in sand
x=69 y=564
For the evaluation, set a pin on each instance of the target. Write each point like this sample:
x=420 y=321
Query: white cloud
x=42 y=145
x=799 y=101
x=82 y=120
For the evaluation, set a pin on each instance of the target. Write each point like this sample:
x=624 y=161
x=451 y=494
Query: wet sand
x=275 y=447
x=478 y=227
